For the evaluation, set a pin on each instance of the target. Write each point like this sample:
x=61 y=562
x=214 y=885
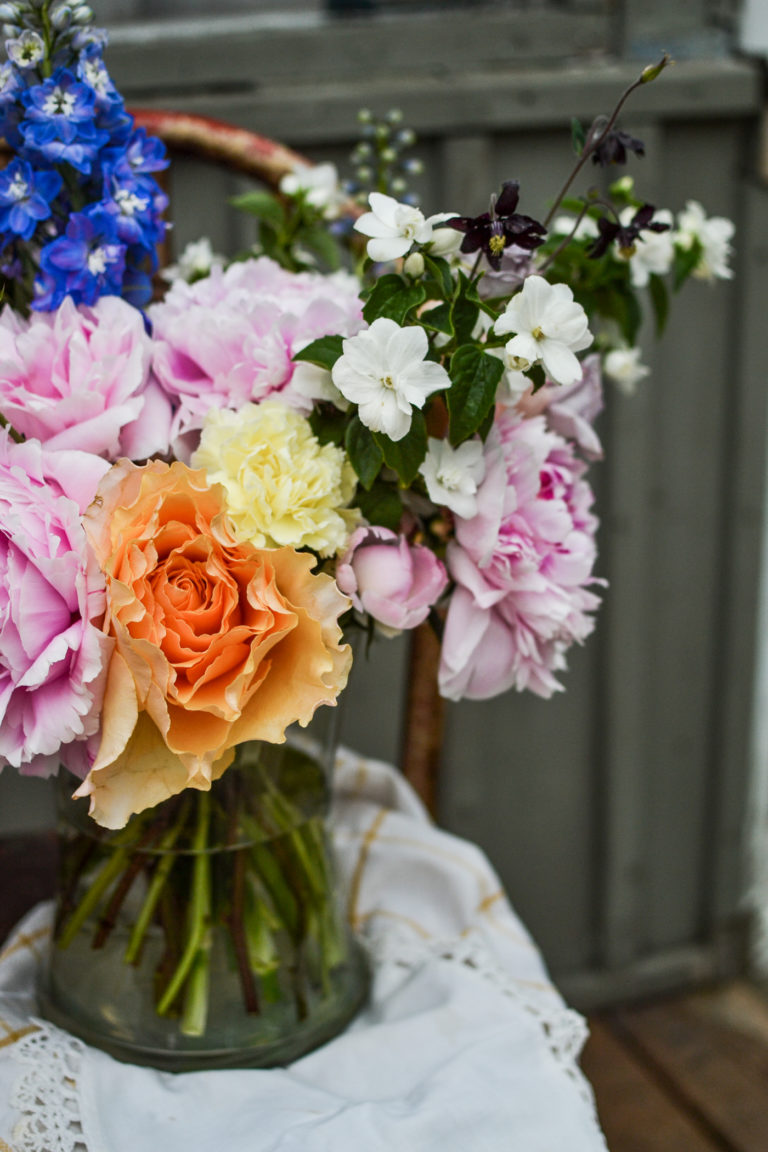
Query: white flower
x=320 y=185
x=384 y=372
x=550 y=327
x=393 y=226
x=444 y=241
x=623 y=366
x=453 y=475
x=653 y=252
x=315 y=383
x=586 y=229
x=714 y=235
x=514 y=384
x=195 y=262
x=26 y=50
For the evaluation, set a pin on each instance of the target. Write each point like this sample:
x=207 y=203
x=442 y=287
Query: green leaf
x=578 y=136
x=405 y=456
x=320 y=241
x=464 y=309
x=262 y=204
x=474 y=379
x=686 y=260
x=324 y=351
x=364 y=451
x=440 y=270
x=382 y=506
x=660 y=301
x=328 y=424
x=393 y=298
x=438 y=318
x=537 y=376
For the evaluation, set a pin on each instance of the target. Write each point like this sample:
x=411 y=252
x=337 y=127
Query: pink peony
x=230 y=338
x=521 y=565
x=395 y=582
x=52 y=656
x=572 y=408
x=78 y=378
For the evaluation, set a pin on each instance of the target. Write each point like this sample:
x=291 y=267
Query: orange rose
x=215 y=642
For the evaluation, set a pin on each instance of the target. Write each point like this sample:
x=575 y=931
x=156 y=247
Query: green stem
x=159 y=877
x=199 y=912
x=111 y=870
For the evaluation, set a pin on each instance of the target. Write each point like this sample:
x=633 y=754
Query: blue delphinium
x=88 y=261
x=80 y=211
x=25 y=197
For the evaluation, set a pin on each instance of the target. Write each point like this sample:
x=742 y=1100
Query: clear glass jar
x=209 y=932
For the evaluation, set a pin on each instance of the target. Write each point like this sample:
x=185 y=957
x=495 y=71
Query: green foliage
x=578 y=136
x=381 y=505
x=265 y=206
x=685 y=262
x=364 y=451
x=324 y=351
x=475 y=377
x=393 y=297
x=405 y=456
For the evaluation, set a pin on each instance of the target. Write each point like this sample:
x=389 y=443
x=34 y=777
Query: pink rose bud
x=395 y=582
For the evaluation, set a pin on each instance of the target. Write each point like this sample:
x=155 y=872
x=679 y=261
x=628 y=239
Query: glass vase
x=209 y=932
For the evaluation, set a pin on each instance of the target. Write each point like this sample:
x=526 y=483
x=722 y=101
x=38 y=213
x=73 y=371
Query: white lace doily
x=465 y=1042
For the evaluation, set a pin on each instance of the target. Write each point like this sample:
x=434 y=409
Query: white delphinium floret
x=384 y=371
x=320 y=185
x=453 y=475
x=623 y=367
x=550 y=327
x=392 y=226
x=653 y=252
x=26 y=50
x=714 y=234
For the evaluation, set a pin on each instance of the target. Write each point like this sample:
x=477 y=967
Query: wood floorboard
x=683 y=1074
x=636 y=1113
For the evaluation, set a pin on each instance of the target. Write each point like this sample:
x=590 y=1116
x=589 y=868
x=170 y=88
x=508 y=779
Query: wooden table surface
x=687 y=1073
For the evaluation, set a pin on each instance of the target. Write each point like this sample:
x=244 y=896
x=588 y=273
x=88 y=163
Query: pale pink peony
x=522 y=567
x=393 y=581
x=229 y=339
x=52 y=656
x=572 y=408
x=78 y=378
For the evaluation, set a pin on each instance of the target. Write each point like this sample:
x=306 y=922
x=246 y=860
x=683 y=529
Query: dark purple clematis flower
x=495 y=230
x=614 y=146
x=624 y=234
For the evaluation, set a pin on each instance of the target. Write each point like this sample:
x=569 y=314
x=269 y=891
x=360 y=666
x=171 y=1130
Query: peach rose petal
x=216 y=642
x=144 y=774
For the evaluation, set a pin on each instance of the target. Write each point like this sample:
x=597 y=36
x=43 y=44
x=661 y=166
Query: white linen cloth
x=465 y=1044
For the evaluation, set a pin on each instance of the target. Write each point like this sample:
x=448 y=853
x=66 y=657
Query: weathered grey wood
x=177 y=56
x=464 y=103
x=745 y=467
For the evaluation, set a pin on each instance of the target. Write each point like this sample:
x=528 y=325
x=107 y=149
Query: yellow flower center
x=496 y=245
x=537 y=333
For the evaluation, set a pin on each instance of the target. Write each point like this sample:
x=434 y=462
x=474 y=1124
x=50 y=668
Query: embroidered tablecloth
x=465 y=1043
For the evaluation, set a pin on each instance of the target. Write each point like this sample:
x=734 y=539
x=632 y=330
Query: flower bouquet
x=203 y=497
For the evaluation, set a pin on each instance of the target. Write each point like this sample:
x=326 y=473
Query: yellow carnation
x=283 y=487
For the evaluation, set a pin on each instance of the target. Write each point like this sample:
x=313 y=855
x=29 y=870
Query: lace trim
x=47 y=1094
x=564 y=1029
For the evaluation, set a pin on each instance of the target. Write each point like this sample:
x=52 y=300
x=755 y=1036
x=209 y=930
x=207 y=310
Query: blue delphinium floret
x=88 y=261
x=59 y=124
x=25 y=197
